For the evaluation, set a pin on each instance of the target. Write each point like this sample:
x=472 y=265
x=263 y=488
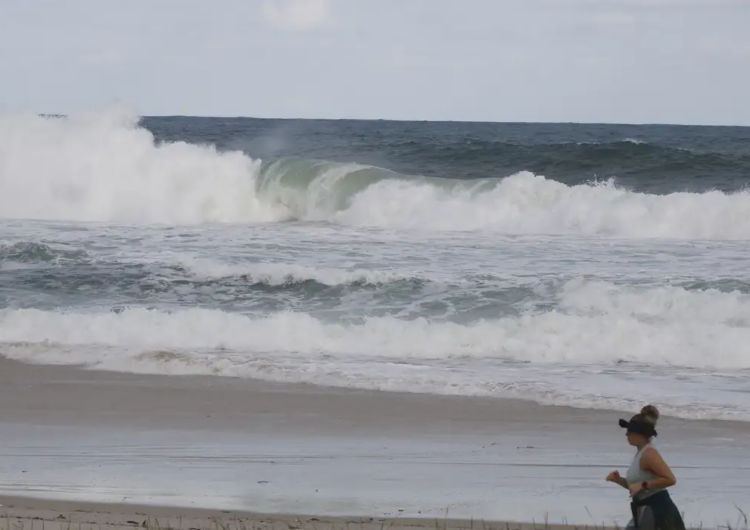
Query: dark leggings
x=646 y=519
x=656 y=513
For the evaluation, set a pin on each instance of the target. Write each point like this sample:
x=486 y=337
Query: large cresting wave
x=104 y=167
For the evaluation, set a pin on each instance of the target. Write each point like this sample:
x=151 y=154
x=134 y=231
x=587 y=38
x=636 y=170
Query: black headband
x=638 y=427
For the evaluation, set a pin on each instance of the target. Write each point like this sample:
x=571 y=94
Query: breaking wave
x=598 y=327
x=105 y=167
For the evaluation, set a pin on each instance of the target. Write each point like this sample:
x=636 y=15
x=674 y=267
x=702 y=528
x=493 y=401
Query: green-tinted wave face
x=317 y=189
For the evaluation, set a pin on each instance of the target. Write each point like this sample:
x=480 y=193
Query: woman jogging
x=648 y=477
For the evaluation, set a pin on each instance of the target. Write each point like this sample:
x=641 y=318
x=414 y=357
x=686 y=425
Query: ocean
x=595 y=266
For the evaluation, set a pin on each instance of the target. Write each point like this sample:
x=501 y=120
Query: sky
x=604 y=61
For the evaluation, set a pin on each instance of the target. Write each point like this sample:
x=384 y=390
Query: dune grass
x=88 y=521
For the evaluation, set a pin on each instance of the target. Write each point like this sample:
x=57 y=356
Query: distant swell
x=104 y=167
x=568 y=158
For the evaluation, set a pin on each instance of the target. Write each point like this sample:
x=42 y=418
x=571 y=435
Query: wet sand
x=79 y=436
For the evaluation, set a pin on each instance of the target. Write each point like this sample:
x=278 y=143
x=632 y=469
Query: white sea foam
x=598 y=323
x=529 y=204
x=103 y=167
x=598 y=327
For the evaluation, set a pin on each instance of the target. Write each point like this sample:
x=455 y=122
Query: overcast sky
x=631 y=61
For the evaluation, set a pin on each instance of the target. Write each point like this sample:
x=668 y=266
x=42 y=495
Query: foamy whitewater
x=384 y=256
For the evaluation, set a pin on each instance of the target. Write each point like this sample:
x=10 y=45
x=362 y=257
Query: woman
x=648 y=477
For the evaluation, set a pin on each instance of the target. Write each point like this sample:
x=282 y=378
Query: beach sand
x=136 y=444
x=24 y=513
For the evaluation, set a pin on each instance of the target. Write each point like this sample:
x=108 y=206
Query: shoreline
x=41 y=374
x=59 y=396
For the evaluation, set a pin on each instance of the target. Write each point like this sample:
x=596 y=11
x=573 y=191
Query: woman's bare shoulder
x=650 y=454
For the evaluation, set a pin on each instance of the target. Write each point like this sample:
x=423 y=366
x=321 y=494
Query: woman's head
x=641 y=427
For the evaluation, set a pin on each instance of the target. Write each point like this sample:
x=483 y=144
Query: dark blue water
x=649 y=158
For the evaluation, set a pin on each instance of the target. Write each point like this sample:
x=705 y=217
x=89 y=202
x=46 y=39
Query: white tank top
x=636 y=475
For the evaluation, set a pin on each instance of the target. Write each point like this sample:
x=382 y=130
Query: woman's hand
x=614 y=477
x=617 y=479
x=635 y=489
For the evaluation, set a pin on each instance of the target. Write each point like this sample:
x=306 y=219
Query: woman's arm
x=617 y=479
x=655 y=464
x=652 y=462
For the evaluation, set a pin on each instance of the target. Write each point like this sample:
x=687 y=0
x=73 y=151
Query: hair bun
x=650 y=414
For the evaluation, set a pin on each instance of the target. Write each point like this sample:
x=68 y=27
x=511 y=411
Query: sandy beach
x=23 y=513
x=121 y=440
